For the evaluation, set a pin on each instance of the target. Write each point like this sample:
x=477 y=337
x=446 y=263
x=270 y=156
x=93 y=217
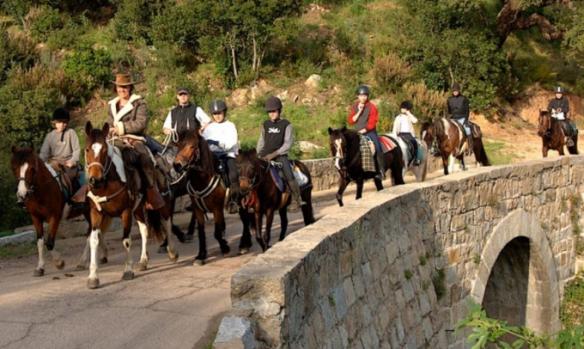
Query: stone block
x=235 y=333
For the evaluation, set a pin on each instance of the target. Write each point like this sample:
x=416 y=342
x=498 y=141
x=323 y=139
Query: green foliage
x=572 y=308
x=19 y=250
x=10 y=215
x=43 y=21
x=439 y=283
x=86 y=69
x=487 y=333
x=179 y=25
x=134 y=17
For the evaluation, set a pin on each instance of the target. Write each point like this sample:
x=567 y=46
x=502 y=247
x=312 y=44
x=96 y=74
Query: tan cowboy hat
x=124 y=80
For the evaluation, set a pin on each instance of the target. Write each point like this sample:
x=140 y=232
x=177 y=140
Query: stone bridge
x=399 y=268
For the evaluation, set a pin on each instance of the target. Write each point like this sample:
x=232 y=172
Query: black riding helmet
x=218 y=106
x=363 y=90
x=406 y=105
x=273 y=103
x=60 y=114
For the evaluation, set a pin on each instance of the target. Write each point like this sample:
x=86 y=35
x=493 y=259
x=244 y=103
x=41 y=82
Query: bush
x=86 y=69
x=11 y=216
x=390 y=72
x=43 y=21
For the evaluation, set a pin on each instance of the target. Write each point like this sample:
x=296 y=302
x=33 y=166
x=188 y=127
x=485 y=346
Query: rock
x=307 y=147
x=260 y=89
x=235 y=333
x=313 y=81
x=239 y=97
x=283 y=95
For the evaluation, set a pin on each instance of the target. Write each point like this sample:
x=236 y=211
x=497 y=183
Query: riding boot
x=469 y=143
x=154 y=200
x=296 y=198
x=380 y=164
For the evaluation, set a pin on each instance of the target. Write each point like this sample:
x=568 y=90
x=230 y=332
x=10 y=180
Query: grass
x=572 y=309
x=497 y=153
x=6 y=233
x=17 y=251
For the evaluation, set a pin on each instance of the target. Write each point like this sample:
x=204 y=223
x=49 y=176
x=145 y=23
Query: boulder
x=313 y=81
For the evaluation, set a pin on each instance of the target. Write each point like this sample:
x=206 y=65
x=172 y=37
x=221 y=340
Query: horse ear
x=330 y=131
x=105 y=128
x=88 y=127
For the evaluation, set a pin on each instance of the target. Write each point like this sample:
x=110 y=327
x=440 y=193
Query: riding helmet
x=60 y=114
x=273 y=103
x=456 y=87
x=363 y=90
x=406 y=105
x=560 y=89
x=218 y=106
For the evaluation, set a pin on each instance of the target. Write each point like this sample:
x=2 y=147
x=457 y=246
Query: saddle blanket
x=367 y=160
x=300 y=177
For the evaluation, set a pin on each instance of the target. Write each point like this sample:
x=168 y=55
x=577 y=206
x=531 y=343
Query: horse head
x=249 y=167
x=24 y=163
x=96 y=154
x=338 y=145
x=428 y=133
x=544 y=123
x=189 y=151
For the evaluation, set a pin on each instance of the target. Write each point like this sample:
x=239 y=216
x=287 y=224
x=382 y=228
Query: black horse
x=345 y=148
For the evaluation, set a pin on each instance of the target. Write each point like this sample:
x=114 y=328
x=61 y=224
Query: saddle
x=279 y=180
x=69 y=178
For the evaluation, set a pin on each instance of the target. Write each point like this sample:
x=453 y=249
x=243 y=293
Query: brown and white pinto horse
x=451 y=140
x=41 y=194
x=263 y=196
x=110 y=197
x=207 y=192
x=552 y=135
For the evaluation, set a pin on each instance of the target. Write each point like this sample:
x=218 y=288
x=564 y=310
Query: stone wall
x=397 y=269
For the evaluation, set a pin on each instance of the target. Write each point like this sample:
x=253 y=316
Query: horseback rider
x=128 y=119
x=559 y=108
x=403 y=126
x=459 y=111
x=276 y=139
x=363 y=116
x=221 y=135
x=185 y=116
x=61 y=150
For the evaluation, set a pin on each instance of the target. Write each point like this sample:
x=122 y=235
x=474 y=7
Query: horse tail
x=155 y=223
x=480 y=153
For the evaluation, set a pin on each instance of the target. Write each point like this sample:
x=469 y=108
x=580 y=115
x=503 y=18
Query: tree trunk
x=234 y=61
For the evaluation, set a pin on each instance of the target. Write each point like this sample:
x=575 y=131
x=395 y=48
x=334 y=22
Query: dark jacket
x=562 y=104
x=183 y=118
x=273 y=137
x=458 y=107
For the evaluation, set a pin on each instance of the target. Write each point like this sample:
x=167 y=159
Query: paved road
x=170 y=305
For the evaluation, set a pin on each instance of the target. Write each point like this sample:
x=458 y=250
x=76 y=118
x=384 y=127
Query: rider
x=276 y=138
x=403 y=126
x=128 y=119
x=185 y=115
x=221 y=135
x=459 y=110
x=559 y=107
x=363 y=116
x=61 y=150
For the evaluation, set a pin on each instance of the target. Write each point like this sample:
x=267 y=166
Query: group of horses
x=110 y=195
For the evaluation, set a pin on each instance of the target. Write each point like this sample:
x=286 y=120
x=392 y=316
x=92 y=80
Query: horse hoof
x=173 y=257
x=243 y=251
x=189 y=237
x=142 y=266
x=80 y=267
x=199 y=262
x=38 y=272
x=103 y=260
x=225 y=250
x=92 y=283
x=128 y=275
x=60 y=264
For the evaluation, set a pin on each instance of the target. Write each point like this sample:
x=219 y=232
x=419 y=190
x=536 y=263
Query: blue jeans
x=464 y=123
x=375 y=139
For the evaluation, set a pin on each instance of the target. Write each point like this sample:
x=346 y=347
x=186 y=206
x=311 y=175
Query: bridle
x=253 y=181
x=30 y=186
x=105 y=169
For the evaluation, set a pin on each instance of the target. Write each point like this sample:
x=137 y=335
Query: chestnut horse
x=40 y=192
x=110 y=197
x=263 y=196
x=552 y=135
x=207 y=192
x=345 y=148
x=450 y=139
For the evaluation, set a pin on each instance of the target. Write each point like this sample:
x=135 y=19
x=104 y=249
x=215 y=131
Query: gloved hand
x=271 y=156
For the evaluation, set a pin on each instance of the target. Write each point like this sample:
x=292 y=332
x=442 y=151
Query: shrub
x=428 y=104
x=85 y=69
x=390 y=72
x=43 y=21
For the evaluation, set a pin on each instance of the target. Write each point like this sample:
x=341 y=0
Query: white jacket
x=404 y=123
x=226 y=134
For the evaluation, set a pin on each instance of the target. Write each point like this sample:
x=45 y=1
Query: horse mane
x=438 y=127
x=22 y=155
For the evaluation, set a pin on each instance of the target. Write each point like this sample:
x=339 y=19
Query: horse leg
x=445 y=160
x=82 y=264
x=397 y=171
x=172 y=253
x=105 y=225
x=143 y=263
x=50 y=243
x=307 y=210
x=258 y=229
x=283 y=222
x=93 y=280
x=359 y=193
x=245 y=241
x=574 y=149
x=268 y=232
x=219 y=219
x=451 y=160
x=202 y=255
x=343 y=182
x=38 y=226
x=127 y=240
x=192 y=224
x=461 y=158
x=378 y=183
x=544 y=150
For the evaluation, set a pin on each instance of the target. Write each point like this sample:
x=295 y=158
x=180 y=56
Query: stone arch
x=517 y=231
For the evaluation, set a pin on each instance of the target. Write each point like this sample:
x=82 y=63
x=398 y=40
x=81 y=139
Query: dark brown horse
x=552 y=135
x=263 y=196
x=345 y=148
x=450 y=139
x=39 y=191
x=110 y=196
x=207 y=192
